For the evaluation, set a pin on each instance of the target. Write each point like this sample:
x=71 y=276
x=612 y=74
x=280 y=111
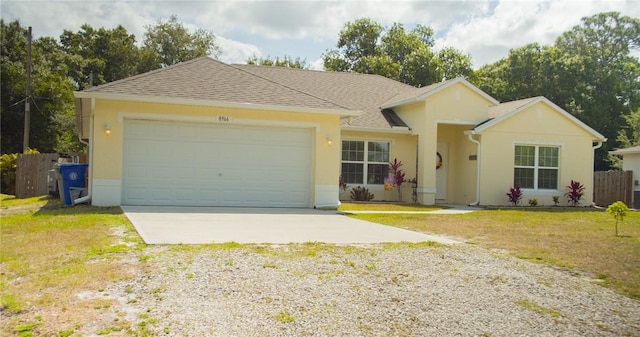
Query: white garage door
x=171 y=163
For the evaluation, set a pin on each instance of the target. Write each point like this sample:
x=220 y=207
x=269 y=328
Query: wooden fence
x=31 y=174
x=612 y=186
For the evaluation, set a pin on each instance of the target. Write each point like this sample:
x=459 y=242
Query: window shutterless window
x=365 y=162
x=536 y=167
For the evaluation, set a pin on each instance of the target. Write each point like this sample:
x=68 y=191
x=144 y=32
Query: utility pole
x=27 y=101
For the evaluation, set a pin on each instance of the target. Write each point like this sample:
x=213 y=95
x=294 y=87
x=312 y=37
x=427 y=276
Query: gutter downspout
x=477 y=142
x=599 y=145
x=87 y=197
x=594 y=148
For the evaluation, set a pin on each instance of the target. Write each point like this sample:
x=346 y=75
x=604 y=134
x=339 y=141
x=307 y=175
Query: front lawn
x=56 y=261
x=51 y=252
x=575 y=239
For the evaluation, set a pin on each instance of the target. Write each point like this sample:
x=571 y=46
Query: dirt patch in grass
x=9 y=205
x=576 y=239
x=50 y=253
x=385 y=206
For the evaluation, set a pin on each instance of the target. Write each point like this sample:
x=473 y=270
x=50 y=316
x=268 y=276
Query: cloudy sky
x=485 y=29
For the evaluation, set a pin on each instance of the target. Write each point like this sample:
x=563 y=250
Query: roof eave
x=395 y=129
x=217 y=104
x=596 y=135
x=425 y=95
x=623 y=152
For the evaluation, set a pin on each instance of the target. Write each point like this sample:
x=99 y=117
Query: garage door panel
x=168 y=163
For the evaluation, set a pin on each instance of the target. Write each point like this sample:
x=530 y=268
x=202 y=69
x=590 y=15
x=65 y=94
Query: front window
x=365 y=162
x=536 y=167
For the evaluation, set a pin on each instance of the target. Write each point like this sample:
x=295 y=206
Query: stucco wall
x=460 y=166
x=458 y=106
x=107 y=149
x=538 y=125
x=402 y=147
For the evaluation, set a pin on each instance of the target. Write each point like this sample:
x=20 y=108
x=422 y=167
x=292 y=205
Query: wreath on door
x=438 y=160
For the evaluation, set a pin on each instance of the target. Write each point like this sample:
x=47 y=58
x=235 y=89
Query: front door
x=441 y=171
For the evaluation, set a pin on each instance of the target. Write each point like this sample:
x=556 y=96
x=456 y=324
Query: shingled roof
x=206 y=79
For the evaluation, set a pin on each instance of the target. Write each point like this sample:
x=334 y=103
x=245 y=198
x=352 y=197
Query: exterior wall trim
x=219 y=104
x=214 y=119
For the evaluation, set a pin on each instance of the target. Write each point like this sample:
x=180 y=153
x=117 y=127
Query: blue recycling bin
x=70 y=178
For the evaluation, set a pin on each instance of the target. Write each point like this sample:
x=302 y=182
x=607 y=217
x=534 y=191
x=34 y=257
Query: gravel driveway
x=377 y=290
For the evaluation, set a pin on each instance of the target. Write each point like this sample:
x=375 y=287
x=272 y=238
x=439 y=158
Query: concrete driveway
x=203 y=225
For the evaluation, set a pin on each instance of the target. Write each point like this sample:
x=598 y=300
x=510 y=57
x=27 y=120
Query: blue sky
x=484 y=29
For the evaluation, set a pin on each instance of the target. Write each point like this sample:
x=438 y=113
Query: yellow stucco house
x=206 y=133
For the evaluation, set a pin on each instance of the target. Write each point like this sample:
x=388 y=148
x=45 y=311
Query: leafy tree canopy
x=169 y=42
x=285 y=62
x=51 y=101
x=589 y=71
x=105 y=55
x=79 y=59
x=365 y=46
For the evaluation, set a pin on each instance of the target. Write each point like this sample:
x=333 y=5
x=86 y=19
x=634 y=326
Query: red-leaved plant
x=398 y=175
x=575 y=191
x=514 y=194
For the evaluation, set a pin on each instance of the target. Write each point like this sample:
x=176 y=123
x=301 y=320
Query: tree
x=618 y=210
x=589 y=72
x=285 y=62
x=629 y=135
x=365 y=46
x=611 y=75
x=452 y=63
x=100 y=55
x=51 y=93
x=358 y=40
x=169 y=42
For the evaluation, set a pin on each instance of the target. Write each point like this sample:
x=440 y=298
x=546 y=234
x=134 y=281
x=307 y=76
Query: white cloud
x=514 y=24
x=486 y=29
x=236 y=52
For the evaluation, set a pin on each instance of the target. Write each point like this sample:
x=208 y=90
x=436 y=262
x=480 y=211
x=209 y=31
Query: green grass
x=7 y=201
x=582 y=239
x=533 y=306
x=284 y=317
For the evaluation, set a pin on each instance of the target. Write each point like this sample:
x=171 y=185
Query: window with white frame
x=365 y=162
x=536 y=167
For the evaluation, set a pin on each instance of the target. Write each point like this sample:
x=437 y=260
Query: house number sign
x=224 y=119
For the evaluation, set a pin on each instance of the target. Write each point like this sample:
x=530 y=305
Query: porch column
x=427 y=169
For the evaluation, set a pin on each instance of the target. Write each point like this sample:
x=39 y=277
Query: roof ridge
x=149 y=73
x=349 y=73
x=238 y=67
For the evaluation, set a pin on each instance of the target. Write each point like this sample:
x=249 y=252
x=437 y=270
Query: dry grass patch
x=385 y=206
x=49 y=254
x=571 y=238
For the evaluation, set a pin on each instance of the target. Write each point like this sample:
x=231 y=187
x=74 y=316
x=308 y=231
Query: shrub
x=361 y=194
x=575 y=191
x=533 y=202
x=8 y=167
x=397 y=175
x=556 y=200
x=618 y=210
x=515 y=194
